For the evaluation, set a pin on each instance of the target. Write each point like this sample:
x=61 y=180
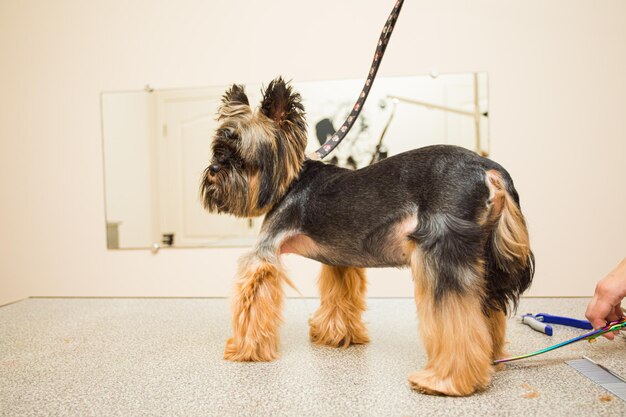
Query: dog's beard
x=225 y=192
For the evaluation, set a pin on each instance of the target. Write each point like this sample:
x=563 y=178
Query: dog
x=448 y=214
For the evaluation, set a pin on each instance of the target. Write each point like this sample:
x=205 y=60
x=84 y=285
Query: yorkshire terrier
x=448 y=214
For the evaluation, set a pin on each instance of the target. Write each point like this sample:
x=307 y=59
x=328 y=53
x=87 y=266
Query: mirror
x=156 y=145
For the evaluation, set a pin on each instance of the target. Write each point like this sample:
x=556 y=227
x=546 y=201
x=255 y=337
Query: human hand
x=605 y=306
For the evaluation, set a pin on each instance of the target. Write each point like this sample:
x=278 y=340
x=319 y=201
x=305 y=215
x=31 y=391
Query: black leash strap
x=338 y=136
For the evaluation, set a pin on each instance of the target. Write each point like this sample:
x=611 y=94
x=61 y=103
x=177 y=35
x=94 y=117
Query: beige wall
x=557 y=110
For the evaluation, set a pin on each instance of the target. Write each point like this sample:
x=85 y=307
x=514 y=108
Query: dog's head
x=256 y=153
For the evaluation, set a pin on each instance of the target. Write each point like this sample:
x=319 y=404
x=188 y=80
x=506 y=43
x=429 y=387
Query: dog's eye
x=219 y=159
x=228 y=134
x=222 y=154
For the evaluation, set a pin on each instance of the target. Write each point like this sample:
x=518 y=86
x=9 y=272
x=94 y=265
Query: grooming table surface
x=164 y=357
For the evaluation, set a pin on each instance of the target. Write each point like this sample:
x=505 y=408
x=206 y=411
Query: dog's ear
x=236 y=94
x=234 y=103
x=281 y=104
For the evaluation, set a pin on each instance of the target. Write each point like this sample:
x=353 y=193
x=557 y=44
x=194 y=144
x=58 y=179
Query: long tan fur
x=456 y=336
x=497 y=329
x=511 y=238
x=338 y=321
x=256 y=312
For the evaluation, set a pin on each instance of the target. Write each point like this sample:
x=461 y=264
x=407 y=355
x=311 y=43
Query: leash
x=611 y=327
x=338 y=136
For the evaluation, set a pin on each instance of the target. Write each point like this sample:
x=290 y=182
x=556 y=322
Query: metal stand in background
x=476 y=114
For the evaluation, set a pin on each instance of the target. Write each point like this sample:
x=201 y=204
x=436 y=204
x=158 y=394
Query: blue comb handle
x=565 y=321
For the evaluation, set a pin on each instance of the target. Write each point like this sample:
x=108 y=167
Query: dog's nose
x=213 y=169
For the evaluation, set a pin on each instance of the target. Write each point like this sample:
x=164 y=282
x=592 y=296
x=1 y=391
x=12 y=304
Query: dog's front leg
x=338 y=321
x=256 y=311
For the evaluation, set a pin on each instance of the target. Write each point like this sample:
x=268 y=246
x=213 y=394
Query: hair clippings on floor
x=611 y=327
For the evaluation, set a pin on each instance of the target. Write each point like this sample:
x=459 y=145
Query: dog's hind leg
x=497 y=329
x=338 y=320
x=256 y=311
x=449 y=292
x=457 y=339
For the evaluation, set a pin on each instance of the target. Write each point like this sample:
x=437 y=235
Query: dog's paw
x=428 y=382
x=327 y=333
x=499 y=367
x=258 y=352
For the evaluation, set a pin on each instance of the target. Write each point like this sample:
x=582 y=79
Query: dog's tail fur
x=510 y=262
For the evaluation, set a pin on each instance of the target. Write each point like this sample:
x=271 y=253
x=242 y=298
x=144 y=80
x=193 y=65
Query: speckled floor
x=164 y=357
